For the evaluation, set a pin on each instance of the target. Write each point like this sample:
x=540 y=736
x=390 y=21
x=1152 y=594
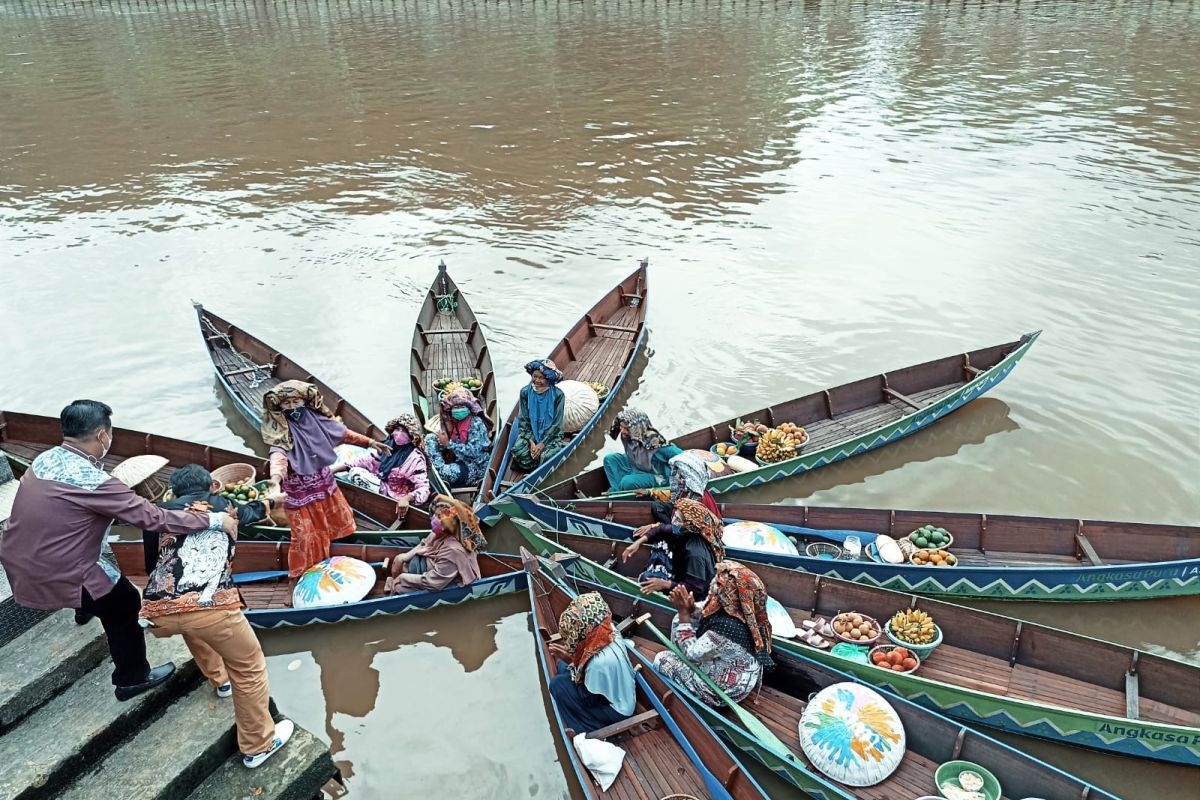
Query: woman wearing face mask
x=460 y=450
x=301 y=432
x=402 y=474
x=450 y=553
x=694 y=547
x=539 y=417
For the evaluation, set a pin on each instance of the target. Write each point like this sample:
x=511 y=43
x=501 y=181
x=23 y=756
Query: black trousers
x=118 y=613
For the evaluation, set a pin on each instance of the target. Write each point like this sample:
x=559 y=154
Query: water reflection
x=434 y=686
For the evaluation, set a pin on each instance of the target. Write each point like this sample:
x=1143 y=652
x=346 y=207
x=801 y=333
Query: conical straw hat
x=133 y=471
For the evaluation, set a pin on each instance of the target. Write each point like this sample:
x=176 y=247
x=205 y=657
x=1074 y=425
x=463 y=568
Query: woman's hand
x=382 y=447
x=655 y=585
x=402 y=507
x=443 y=439
x=336 y=468
x=229 y=523
x=535 y=450
x=631 y=551
x=643 y=532
x=683 y=601
x=559 y=651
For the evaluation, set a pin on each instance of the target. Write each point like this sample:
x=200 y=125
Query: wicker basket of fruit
x=599 y=388
x=894 y=657
x=746 y=435
x=797 y=433
x=233 y=473
x=915 y=630
x=774 y=446
x=933 y=558
x=857 y=628
x=931 y=537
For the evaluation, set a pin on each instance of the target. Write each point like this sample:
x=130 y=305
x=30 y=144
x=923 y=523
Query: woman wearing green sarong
x=539 y=418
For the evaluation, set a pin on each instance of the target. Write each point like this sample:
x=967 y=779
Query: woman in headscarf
x=402 y=474
x=449 y=553
x=301 y=433
x=594 y=685
x=645 y=462
x=461 y=449
x=732 y=643
x=692 y=549
x=539 y=417
x=689 y=481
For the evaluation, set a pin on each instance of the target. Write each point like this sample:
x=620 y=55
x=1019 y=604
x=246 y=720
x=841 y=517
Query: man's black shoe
x=156 y=676
x=81 y=618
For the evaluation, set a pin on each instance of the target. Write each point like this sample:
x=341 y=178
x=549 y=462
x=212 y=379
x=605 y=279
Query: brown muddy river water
x=825 y=190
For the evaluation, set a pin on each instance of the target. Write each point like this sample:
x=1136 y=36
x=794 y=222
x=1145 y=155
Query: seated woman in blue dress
x=594 y=686
x=461 y=449
x=539 y=417
x=646 y=460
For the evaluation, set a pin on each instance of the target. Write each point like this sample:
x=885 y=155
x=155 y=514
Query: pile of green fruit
x=241 y=492
x=931 y=537
x=450 y=384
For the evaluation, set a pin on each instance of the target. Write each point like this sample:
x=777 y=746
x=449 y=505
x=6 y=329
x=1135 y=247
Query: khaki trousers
x=226 y=649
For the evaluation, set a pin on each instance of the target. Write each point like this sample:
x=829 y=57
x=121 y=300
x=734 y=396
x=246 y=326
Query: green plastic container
x=951 y=769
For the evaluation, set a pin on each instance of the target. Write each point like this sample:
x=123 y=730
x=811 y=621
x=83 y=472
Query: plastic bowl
x=923 y=651
x=713 y=450
x=951 y=769
x=946 y=546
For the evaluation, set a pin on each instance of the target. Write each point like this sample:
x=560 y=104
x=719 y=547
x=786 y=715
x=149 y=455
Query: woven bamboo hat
x=136 y=469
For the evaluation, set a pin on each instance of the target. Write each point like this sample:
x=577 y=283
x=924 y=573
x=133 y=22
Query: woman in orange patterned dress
x=301 y=432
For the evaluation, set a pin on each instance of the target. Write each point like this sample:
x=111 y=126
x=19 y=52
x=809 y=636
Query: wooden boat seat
x=646 y=719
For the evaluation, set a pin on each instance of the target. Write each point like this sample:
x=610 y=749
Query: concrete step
x=44 y=660
x=169 y=757
x=297 y=772
x=72 y=731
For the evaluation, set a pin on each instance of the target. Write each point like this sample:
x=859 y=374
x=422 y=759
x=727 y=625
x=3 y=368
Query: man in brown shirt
x=51 y=548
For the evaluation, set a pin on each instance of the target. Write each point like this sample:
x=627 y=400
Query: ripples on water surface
x=825 y=191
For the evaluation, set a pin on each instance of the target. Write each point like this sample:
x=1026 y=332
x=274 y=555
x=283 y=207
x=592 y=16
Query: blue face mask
x=295 y=414
x=460 y=413
x=675 y=529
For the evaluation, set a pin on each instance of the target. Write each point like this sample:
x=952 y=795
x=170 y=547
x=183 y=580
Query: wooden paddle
x=751 y=723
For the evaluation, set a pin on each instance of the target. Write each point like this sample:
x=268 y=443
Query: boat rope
x=259 y=373
x=446 y=303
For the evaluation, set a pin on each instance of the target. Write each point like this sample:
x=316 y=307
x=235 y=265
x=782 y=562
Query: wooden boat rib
x=1000 y=556
x=990 y=669
x=24 y=436
x=248 y=368
x=267 y=597
x=931 y=739
x=669 y=751
x=449 y=344
x=846 y=420
x=599 y=348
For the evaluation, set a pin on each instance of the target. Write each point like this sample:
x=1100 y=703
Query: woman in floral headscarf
x=460 y=450
x=693 y=548
x=301 y=433
x=645 y=462
x=449 y=553
x=539 y=417
x=688 y=481
x=732 y=643
x=594 y=685
x=402 y=474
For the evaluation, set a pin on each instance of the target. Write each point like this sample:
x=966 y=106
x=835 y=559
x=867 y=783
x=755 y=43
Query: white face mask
x=106 y=447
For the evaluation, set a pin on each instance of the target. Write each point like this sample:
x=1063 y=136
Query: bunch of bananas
x=913 y=626
x=776 y=445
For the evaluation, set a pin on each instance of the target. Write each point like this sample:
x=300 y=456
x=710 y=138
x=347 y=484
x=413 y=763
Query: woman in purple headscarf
x=539 y=417
x=460 y=450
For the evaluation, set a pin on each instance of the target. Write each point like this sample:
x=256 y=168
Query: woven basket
x=820 y=549
x=233 y=473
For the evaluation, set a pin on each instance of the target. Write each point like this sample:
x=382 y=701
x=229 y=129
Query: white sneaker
x=283 y=731
x=225 y=689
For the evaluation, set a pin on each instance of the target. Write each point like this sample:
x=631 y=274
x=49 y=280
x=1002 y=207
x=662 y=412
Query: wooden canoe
x=260 y=572
x=24 y=436
x=448 y=343
x=931 y=739
x=1000 y=556
x=669 y=751
x=248 y=368
x=600 y=348
x=990 y=670
x=846 y=420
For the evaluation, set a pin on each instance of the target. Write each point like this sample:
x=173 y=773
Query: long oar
x=240 y=578
x=750 y=722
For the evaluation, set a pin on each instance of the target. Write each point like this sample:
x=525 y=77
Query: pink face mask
x=400 y=437
x=435 y=524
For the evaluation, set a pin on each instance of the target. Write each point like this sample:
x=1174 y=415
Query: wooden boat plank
x=868 y=419
x=1044 y=687
x=961 y=667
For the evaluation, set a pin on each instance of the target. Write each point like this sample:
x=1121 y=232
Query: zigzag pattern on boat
x=509 y=584
x=1002 y=588
x=1046 y=729
x=853 y=447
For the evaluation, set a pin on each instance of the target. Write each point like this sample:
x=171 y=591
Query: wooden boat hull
x=1132 y=737
x=687 y=760
x=839 y=442
x=229 y=346
x=932 y=738
x=1139 y=581
x=509 y=579
x=631 y=293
